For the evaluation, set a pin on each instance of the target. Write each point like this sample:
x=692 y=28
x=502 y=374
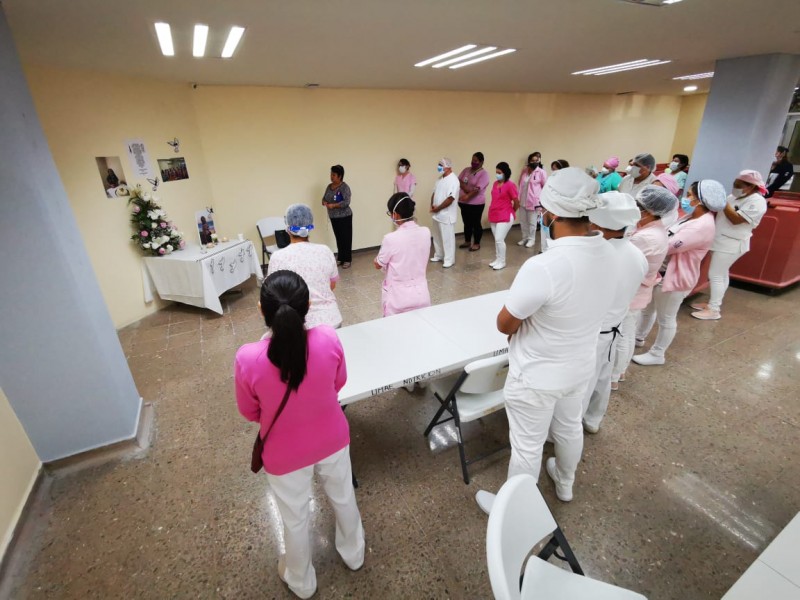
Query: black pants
x=343 y=231
x=471 y=214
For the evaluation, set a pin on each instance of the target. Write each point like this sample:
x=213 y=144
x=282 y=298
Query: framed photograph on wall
x=172 y=169
x=112 y=176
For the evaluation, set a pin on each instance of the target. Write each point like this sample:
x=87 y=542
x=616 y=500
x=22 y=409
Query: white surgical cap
x=616 y=211
x=712 y=194
x=299 y=220
x=646 y=160
x=657 y=200
x=570 y=193
x=446 y=163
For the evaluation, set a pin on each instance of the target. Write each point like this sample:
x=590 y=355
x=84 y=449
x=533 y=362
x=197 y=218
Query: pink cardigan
x=535 y=185
x=312 y=426
x=652 y=241
x=687 y=247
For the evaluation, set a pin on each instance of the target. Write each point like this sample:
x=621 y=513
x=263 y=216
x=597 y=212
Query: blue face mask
x=545 y=229
x=440 y=168
x=686 y=206
x=499 y=176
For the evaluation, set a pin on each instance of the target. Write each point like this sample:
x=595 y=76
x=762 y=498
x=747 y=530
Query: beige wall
x=87 y=115
x=251 y=151
x=19 y=466
x=689 y=118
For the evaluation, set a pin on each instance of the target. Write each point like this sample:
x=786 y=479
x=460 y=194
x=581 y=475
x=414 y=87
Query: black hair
x=339 y=170
x=694 y=188
x=683 y=160
x=558 y=164
x=404 y=162
x=479 y=156
x=505 y=169
x=284 y=302
x=783 y=149
x=402 y=204
x=532 y=154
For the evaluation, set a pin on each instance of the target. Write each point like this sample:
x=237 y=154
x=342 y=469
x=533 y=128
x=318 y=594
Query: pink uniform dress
x=404 y=257
x=501 y=210
x=405 y=183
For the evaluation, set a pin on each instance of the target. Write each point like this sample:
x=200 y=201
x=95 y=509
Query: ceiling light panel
x=619 y=68
x=439 y=57
x=200 y=38
x=708 y=75
x=483 y=58
x=164 y=35
x=232 y=42
x=690 y=88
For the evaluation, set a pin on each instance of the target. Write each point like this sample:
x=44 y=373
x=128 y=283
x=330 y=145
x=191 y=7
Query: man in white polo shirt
x=617 y=212
x=552 y=317
x=445 y=213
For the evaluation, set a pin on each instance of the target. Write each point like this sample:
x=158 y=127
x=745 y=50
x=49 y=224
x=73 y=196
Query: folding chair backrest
x=519 y=520
x=485 y=375
x=269 y=225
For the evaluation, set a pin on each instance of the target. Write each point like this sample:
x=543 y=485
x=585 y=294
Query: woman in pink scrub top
x=405 y=181
x=404 y=257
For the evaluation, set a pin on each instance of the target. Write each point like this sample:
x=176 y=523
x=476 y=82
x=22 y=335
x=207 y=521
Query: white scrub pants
x=444 y=242
x=664 y=309
x=528 y=220
x=531 y=414
x=625 y=344
x=292 y=495
x=500 y=231
x=595 y=400
x=718 y=275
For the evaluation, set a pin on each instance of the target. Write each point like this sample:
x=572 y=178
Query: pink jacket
x=535 y=185
x=688 y=245
x=312 y=425
x=652 y=241
x=404 y=257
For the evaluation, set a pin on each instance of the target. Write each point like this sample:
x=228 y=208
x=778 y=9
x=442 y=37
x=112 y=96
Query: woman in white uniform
x=735 y=225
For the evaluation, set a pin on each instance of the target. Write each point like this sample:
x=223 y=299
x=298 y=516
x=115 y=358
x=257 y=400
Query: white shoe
x=699 y=305
x=563 y=492
x=590 y=428
x=436 y=259
x=708 y=314
x=522 y=242
x=499 y=266
x=448 y=266
x=493 y=263
x=529 y=244
x=648 y=359
x=639 y=343
x=485 y=500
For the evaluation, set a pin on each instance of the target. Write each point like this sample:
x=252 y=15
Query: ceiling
x=374 y=43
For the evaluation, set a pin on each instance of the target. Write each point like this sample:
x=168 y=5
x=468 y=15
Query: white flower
x=147 y=196
x=170 y=248
x=174 y=233
x=146 y=245
x=156 y=198
x=155 y=244
x=152 y=225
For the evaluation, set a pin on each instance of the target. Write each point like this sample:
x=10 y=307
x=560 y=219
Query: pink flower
x=182 y=244
x=162 y=225
x=161 y=251
x=144 y=233
x=136 y=209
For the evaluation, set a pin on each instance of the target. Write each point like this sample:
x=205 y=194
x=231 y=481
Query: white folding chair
x=474 y=393
x=266 y=229
x=519 y=520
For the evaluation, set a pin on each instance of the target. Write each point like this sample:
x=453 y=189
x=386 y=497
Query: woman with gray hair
x=315 y=263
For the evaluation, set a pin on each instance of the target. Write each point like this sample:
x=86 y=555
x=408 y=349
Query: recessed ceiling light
x=690 y=88
x=464 y=57
x=233 y=40
x=628 y=66
x=482 y=58
x=695 y=76
x=428 y=61
x=165 y=39
x=200 y=37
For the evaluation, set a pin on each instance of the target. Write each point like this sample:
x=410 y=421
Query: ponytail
x=284 y=301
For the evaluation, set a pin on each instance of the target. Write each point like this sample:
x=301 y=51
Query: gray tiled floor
x=694 y=471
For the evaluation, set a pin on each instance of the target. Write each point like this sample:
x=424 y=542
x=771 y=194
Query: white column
x=61 y=364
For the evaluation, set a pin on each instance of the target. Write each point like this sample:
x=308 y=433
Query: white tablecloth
x=192 y=277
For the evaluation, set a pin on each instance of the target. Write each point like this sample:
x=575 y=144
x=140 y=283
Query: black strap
x=615 y=330
x=280 y=410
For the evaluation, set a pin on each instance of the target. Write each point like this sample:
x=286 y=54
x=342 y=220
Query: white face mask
x=402 y=168
x=635 y=171
x=604 y=171
x=738 y=193
x=673 y=166
x=628 y=169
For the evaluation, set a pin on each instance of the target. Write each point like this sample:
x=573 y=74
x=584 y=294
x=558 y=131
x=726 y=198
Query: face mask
x=628 y=169
x=402 y=168
x=440 y=169
x=738 y=193
x=475 y=165
x=604 y=171
x=686 y=206
x=635 y=171
x=533 y=165
x=499 y=176
x=673 y=166
x=546 y=228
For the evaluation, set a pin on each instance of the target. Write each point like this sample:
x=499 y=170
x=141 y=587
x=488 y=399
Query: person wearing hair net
x=443 y=208
x=617 y=212
x=641 y=174
x=315 y=263
x=689 y=241
x=552 y=317
x=742 y=213
x=650 y=236
x=404 y=258
x=608 y=178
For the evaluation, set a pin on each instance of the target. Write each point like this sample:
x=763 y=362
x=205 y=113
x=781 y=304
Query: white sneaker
x=708 y=314
x=436 y=259
x=648 y=359
x=485 y=500
x=493 y=263
x=448 y=266
x=699 y=305
x=590 y=428
x=529 y=244
x=522 y=242
x=639 y=343
x=563 y=492
x=498 y=266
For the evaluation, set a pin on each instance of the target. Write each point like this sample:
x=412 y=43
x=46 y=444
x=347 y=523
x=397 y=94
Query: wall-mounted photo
x=173 y=169
x=112 y=176
x=205 y=226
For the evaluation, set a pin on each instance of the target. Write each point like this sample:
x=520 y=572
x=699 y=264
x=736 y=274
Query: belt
x=614 y=330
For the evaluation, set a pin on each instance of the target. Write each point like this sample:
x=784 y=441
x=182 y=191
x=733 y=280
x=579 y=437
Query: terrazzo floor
x=693 y=473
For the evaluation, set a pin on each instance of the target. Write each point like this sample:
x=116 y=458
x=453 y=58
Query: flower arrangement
x=153 y=232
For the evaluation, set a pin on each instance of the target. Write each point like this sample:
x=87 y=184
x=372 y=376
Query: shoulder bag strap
x=280 y=410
